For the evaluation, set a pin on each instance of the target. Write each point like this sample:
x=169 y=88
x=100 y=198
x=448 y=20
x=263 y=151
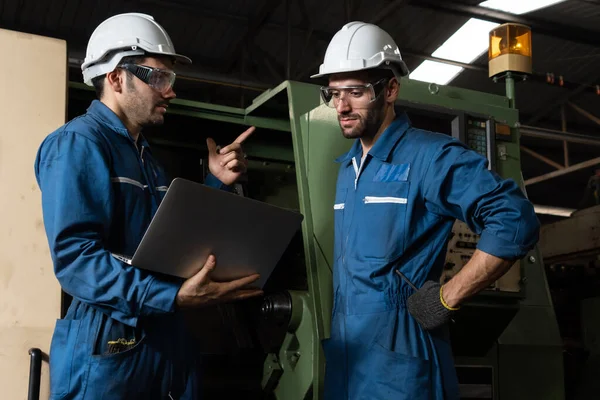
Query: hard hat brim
x=400 y=67
x=179 y=59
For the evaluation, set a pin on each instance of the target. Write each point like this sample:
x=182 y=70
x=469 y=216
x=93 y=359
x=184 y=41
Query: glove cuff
x=425 y=306
x=444 y=302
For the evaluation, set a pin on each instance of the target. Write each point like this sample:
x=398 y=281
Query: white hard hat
x=130 y=34
x=359 y=46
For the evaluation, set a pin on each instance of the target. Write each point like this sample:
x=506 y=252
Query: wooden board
x=33 y=83
x=577 y=237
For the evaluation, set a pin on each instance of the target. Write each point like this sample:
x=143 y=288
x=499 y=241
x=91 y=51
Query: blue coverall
x=395 y=210
x=99 y=192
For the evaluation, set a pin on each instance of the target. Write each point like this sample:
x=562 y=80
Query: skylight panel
x=471 y=40
x=468 y=42
x=436 y=72
x=518 y=6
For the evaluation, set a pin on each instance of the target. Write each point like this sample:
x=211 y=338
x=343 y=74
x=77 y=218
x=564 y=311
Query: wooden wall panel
x=33 y=90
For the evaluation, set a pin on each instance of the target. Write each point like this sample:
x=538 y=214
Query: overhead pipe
x=551 y=134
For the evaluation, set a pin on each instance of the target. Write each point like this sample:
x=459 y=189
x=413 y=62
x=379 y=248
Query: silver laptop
x=245 y=235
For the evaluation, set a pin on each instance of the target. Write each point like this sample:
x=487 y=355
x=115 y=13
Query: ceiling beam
x=308 y=36
x=252 y=30
x=557 y=30
x=311 y=36
x=348 y=10
x=263 y=57
x=585 y=113
x=307 y=30
x=560 y=100
x=387 y=11
x=213 y=14
x=240 y=20
x=288 y=40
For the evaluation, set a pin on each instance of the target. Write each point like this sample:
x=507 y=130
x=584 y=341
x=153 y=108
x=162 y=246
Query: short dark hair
x=98 y=82
x=376 y=74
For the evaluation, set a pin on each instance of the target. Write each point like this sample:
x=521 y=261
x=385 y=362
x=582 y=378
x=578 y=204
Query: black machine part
x=277 y=307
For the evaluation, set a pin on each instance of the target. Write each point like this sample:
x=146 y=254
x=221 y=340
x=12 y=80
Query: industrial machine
x=506 y=340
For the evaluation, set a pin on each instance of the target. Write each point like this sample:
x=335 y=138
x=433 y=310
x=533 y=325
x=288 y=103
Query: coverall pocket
x=118 y=355
x=396 y=376
x=118 y=375
x=381 y=225
x=62 y=350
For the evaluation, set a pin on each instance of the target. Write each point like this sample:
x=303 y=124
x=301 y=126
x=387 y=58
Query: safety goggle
x=356 y=96
x=158 y=79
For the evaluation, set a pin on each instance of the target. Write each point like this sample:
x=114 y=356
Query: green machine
x=506 y=340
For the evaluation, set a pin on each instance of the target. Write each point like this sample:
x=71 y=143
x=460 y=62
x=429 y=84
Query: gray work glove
x=426 y=307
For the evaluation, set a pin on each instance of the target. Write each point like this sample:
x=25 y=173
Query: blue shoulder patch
x=392 y=173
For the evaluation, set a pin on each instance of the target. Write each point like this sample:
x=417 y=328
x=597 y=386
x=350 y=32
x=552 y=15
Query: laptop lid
x=245 y=235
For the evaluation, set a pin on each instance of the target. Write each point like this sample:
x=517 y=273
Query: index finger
x=244 y=136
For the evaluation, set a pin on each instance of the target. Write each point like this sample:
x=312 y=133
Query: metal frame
x=564 y=171
x=566 y=138
x=585 y=113
x=35 y=373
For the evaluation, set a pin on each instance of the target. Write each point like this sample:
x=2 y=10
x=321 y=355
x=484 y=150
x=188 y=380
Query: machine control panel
x=476 y=137
x=461 y=246
x=480 y=136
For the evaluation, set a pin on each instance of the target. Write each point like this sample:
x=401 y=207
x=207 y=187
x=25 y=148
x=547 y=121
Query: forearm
x=122 y=291
x=481 y=271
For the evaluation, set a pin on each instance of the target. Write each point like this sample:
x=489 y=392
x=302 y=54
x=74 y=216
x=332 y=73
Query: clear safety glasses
x=358 y=96
x=156 y=78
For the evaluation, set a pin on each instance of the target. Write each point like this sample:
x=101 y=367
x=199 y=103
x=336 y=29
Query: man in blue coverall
x=122 y=337
x=399 y=191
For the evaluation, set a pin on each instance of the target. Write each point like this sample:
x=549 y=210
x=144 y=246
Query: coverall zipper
x=357 y=171
x=150 y=183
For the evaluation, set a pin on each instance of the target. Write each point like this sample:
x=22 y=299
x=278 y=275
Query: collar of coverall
x=386 y=142
x=107 y=117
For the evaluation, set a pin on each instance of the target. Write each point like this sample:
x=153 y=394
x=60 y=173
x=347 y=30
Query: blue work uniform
x=121 y=337
x=395 y=210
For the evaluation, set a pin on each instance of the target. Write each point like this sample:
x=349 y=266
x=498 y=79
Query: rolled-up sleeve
x=458 y=184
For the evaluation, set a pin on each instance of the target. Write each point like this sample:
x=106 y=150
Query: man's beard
x=140 y=112
x=368 y=125
x=154 y=120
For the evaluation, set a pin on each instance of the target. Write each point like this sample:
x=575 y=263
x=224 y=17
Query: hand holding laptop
x=200 y=290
